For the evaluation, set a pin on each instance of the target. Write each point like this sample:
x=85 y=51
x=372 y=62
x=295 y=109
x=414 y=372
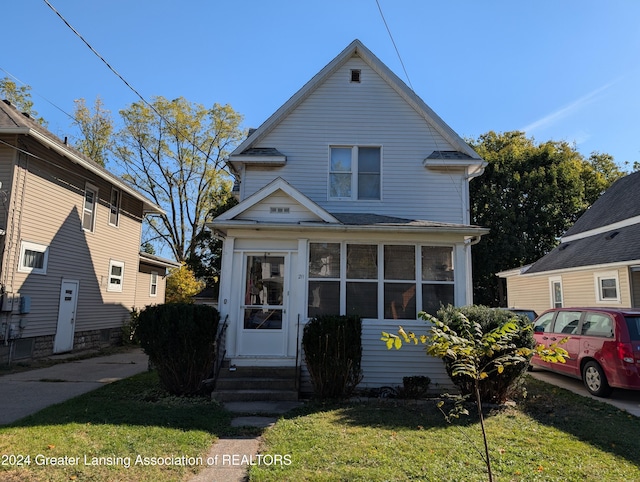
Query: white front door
x=66 y=316
x=263 y=326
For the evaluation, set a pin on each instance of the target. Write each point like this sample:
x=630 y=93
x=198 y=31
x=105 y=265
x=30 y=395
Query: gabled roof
x=617 y=246
x=357 y=48
x=617 y=207
x=17 y=123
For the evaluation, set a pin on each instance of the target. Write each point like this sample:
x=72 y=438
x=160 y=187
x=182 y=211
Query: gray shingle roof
x=621 y=201
x=369 y=219
x=601 y=248
x=448 y=155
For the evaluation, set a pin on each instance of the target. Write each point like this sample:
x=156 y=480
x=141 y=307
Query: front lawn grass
x=553 y=435
x=111 y=427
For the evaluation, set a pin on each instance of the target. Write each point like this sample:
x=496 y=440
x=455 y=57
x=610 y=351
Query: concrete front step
x=254 y=395
x=255 y=383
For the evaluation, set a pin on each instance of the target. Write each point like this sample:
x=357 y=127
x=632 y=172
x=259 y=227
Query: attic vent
x=563 y=246
x=612 y=235
x=274 y=210
x=355 y=75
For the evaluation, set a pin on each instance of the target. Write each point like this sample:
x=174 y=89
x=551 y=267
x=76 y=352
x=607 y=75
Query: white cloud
x=566 y=110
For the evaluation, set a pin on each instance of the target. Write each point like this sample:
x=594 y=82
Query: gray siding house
x=353 y=200
x=70 y=266
x=597 y=262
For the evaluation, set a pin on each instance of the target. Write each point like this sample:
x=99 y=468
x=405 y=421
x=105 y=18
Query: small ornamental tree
x=475 y=355
x=182 y=285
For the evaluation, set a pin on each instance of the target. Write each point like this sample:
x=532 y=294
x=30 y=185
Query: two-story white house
x=353 y=200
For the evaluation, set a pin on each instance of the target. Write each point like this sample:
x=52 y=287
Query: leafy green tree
x=529 y=195
x=20 y=97
x=175 y=153
x=182 y=285
x=96 y=130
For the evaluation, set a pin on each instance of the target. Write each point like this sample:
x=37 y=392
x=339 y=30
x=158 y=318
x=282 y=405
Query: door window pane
x=262 y=319
x=265 y=280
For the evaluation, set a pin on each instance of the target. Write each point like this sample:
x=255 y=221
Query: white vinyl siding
x=370 y=113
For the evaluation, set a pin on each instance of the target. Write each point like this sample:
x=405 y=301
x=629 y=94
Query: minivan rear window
x=633 y=323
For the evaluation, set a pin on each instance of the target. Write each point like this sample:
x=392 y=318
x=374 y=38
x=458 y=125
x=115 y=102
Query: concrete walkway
x=29 y=392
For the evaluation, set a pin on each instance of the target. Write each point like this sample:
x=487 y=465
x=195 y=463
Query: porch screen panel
x=324 y=279
x=400 y=282
x=437 y=278
x=362 y=280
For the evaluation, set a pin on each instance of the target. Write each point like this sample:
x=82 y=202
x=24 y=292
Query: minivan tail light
x=625 y=352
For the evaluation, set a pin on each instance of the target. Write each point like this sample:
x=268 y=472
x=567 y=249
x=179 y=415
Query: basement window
x=355 y=75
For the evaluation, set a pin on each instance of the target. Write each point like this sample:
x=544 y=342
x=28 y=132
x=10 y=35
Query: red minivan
x=603 y=346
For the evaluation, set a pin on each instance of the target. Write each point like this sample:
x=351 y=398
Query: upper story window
x=33 y=258
x=354 y=172
x=89 y=207
x=114 y=207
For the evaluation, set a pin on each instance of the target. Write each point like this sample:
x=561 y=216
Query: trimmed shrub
x=180 y=341
x=333 y=351
x=499 y=386
x=415 y=387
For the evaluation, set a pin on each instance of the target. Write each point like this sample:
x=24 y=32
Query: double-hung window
x=116 y=275
x=153 y=291
x=89 y=207
x=354 y=172
x=607 y=286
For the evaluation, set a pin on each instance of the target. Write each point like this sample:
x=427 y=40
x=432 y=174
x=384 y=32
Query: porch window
x=379 y=281
x=354 y=173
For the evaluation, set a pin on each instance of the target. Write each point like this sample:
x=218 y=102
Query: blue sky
x=560 y=70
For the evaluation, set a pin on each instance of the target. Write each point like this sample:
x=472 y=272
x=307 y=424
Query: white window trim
x=552 y=281
x=41 y=248
x=115 y=287
x=355 y=170
x=90 y=187
x=152 y=284
x=117 y=207
x=598 y=277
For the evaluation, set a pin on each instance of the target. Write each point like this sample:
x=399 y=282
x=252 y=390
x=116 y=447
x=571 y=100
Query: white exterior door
x=263 y=320
x=66 y=316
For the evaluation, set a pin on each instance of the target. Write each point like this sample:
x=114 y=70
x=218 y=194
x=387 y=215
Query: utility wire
x=394 y=44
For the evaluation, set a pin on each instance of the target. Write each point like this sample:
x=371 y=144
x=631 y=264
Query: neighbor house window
x=33 y=258
x=354 y=172
x=89 y=207
x=116 y=275
x=555 y=286
x=114 y=207
x=607 y=287
x=379 y=281
x=154 y=284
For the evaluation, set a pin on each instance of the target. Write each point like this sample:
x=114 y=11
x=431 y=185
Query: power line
x=393 y=42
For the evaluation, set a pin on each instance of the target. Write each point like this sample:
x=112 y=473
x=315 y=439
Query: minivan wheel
x=595 y=380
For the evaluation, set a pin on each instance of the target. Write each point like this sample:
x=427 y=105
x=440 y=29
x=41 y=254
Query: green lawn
x=551 y=436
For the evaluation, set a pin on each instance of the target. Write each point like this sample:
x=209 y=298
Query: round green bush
x=180 y=341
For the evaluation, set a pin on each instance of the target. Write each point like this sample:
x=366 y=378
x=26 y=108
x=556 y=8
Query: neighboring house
x=353 y=199
x=597 y=262
x=152 y=279
x=71 y=268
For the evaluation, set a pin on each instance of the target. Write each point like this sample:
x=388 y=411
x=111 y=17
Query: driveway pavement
x=628 y=400
x=28 y=392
